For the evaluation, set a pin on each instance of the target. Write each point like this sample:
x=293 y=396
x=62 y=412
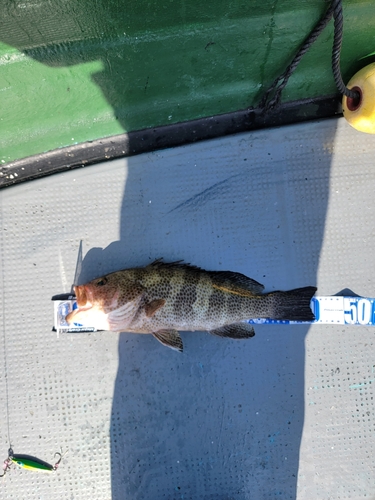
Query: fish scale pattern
x=182 y=297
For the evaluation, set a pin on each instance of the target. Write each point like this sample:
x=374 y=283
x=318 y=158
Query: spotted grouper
x=162 y=298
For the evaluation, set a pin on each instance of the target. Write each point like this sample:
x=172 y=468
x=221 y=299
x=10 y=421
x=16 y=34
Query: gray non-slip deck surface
x=288 y=414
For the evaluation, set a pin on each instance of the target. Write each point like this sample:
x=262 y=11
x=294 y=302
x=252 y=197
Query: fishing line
x=23 y=461
x=5 y=348
x=6 y=382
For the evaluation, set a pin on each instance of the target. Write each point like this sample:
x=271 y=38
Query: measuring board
x=334 y=310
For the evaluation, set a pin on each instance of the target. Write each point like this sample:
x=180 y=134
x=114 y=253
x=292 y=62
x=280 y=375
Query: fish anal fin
x=235 y=331
x=153 y=306
x=170 y=338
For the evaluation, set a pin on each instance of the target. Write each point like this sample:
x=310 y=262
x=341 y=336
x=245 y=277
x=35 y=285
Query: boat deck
x=288 y=414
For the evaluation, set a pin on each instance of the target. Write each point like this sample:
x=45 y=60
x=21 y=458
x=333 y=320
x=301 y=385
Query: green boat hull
x=80 y=71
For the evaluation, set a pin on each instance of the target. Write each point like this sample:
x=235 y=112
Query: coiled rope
x=272 y=97
x=336 y=50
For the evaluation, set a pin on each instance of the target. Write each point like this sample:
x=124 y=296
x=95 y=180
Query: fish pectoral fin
x=153 y=306
x=235 y=331
x=170 y=338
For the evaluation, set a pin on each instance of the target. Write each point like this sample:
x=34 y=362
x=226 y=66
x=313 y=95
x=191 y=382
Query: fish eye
x=102 y=281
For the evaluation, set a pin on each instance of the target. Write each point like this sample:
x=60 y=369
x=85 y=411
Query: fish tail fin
x=293 y=305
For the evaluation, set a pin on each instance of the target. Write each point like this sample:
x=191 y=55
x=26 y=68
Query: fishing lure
x=29 y=462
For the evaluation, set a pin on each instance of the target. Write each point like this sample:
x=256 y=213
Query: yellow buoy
x=360 y=112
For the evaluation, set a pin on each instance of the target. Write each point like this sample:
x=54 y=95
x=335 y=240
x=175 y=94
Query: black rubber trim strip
x=152 y=139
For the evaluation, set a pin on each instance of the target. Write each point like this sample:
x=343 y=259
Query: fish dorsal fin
x=178 y=264
x=227 y=281
x=170 y=338
x=236 y=283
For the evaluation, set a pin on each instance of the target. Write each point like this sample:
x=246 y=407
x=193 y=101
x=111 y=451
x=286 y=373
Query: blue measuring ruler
x=333 y=311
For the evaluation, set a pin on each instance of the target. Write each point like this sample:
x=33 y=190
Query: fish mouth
x=82 y=297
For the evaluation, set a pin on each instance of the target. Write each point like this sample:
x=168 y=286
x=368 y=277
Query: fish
x=164 y=298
